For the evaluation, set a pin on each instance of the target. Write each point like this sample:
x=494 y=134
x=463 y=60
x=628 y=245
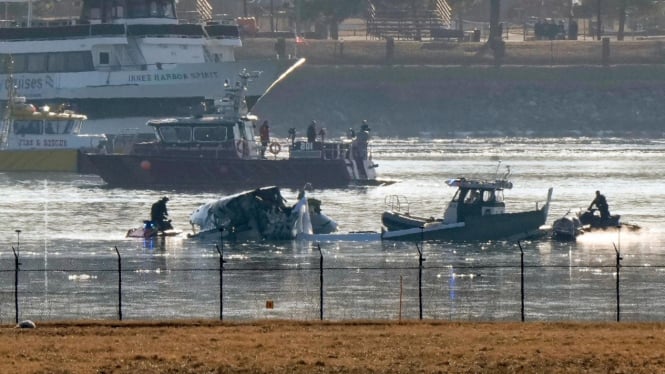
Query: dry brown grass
x=371 y=52
x=344 y=347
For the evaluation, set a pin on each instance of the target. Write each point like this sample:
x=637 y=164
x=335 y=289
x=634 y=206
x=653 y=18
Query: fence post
x=221 y=279
x=521 y=279
x=119 y=284
x=420 y=280
x=320 y=281
x=16 y=269
x=618 y=266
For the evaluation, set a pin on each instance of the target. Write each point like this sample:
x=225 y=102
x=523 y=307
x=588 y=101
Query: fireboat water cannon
x=233 y=104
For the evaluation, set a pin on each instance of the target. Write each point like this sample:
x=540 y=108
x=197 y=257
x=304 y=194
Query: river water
x=71 y=225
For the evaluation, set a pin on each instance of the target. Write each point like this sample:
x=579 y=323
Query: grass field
x=333 y=347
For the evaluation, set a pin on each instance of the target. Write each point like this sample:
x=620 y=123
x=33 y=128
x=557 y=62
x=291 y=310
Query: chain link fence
x=320 y=284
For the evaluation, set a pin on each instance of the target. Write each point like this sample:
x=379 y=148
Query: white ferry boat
x=128 y=58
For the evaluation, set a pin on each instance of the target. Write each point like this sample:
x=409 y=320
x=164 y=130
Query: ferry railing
x=351 y=287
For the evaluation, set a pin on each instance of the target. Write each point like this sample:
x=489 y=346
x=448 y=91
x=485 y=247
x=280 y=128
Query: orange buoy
x=145 y=165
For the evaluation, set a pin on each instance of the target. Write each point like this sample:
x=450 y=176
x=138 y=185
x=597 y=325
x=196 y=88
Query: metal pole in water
x=221 y=278
x=321 y=284
x=18 y=242
x=16 y=264
x=420 y=280
x=401 y=289
x=521 y=278
x=119 y=284
x=618 y=265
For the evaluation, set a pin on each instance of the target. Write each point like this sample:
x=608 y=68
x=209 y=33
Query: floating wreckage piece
x=260 y=214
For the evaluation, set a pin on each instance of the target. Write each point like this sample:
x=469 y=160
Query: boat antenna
x=496 y=173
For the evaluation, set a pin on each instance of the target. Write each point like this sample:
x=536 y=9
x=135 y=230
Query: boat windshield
x=210 y=134
x=477 y=196
x=28 y=127
x=175 y=134
x=59 y=127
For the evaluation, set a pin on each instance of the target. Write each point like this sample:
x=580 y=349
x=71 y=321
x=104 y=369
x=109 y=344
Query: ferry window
x=104 y=58
x=171 y=134
x=37 y=62
x=56 y=62
x=79 y=61
x=210 y=134
x=20 y=63
x=4 y=63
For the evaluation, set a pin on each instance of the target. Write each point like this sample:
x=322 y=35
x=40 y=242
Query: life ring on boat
x=241 y=147
x=275 y=148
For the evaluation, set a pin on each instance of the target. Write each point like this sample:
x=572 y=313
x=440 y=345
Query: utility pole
x=598 y=33
x=272 y=16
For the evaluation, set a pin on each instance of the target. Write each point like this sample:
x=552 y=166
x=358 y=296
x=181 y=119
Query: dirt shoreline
x=340 y=347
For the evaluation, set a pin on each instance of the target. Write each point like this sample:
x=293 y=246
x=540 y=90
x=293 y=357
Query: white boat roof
x=205 y=120
x=498 y=184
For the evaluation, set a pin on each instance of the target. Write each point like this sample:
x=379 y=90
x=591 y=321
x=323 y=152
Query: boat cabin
x=208 y=135
x=475 y=198
x=226 y=131
x=27 y=127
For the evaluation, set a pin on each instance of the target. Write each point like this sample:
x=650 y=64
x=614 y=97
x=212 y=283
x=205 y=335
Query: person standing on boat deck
x=264 y=134
x=322 y=134
x=292 y=135
x=350 y=133
x=601 y=203
x=311 y=132
x=159 y=214
x=362 y=140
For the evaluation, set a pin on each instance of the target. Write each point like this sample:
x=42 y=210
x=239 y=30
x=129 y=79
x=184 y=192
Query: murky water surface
x=70 y=226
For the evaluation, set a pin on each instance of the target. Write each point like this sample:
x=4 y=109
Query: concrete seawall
x=455 y=101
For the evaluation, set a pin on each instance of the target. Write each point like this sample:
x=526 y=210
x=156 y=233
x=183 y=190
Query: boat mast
x=9 y=105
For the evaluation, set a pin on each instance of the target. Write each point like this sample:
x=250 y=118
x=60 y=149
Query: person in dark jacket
x=311 y=132
x=159 y=214
x=264 y=134
x=601 y=203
